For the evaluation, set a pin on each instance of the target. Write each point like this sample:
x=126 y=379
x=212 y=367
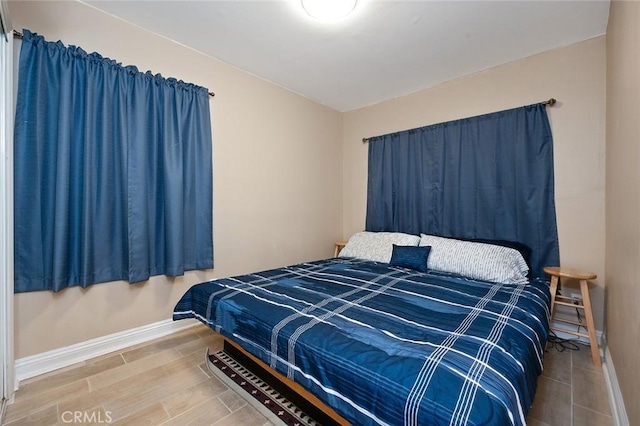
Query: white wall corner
x=618 y=411
x=46 y=362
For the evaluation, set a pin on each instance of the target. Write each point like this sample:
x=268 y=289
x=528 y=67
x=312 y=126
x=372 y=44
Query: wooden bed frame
x=291 y=390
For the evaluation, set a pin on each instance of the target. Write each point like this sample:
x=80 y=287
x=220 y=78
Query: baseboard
x=45 y=362
x=571 y=314
x=3 y=403
x=618 y=411
x=558 y=326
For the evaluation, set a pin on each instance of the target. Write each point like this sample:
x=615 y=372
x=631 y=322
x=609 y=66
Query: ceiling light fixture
x=328 y=10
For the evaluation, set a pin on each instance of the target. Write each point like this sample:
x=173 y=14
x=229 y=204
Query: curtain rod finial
x=551 y=102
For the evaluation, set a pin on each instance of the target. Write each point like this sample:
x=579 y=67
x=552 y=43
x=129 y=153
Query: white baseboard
x=45 y=362
x=570 y=314
x=618 y=412
x=558 y=326
x=3 y=403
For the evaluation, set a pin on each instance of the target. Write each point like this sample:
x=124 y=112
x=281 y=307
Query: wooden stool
x=584 y=304
x=339 y=246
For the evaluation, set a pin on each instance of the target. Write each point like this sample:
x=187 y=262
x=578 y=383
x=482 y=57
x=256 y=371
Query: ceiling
x=385 y=49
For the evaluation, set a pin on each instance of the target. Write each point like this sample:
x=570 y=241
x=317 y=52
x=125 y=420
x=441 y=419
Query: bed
x=387 y=344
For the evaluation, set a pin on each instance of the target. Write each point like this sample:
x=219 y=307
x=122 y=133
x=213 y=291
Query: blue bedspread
x=387 y=345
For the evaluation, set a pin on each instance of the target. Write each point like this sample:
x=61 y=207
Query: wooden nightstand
x=584 y=304
x=339 y=246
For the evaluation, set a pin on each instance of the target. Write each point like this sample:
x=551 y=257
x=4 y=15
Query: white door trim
x=7 y=367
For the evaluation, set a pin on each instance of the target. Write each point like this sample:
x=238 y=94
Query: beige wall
x=280 y=160
x=279 y=163
x=623 y=200
x=277 y=179
x=575 y=76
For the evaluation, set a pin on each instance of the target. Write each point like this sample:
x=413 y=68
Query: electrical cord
x=559 y=344
x=580 y=321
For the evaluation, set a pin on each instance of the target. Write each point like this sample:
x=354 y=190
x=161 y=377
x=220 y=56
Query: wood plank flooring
x=165 y=382
x=162 y=382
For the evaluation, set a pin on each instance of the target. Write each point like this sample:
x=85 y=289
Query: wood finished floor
x=165 y=382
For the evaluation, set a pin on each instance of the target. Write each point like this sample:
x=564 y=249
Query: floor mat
x=269 y=402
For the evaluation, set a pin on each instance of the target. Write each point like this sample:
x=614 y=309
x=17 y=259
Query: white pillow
x=376 y=246
x=480 y=261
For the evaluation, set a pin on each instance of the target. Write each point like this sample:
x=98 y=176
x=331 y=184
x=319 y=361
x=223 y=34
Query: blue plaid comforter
x=387 y=345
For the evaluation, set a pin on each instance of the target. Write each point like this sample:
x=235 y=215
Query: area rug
x=269 y=402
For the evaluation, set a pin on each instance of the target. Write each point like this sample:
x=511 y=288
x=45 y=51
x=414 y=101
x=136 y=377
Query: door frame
x=7 y=364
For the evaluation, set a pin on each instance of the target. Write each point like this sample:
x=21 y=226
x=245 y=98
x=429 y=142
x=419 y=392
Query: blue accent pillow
x=410 y=257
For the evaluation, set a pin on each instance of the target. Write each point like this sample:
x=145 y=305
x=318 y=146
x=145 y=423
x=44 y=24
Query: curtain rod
x=550 y=102
x=18 y=35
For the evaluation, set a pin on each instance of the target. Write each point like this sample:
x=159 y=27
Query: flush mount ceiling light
x=328 y=10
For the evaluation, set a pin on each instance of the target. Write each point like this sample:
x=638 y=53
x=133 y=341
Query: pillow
x=376 y=246
x=476 y=260
x=410 y=257
x=523 y=249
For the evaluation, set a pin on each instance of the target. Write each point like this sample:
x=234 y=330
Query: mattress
x=387 y=345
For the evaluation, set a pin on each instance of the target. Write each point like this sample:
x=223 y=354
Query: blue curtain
x=113 y=171
x=486 y=177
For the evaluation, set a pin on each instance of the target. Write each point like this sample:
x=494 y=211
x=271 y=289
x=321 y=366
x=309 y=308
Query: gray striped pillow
x=376 y=246
x=476 y=260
